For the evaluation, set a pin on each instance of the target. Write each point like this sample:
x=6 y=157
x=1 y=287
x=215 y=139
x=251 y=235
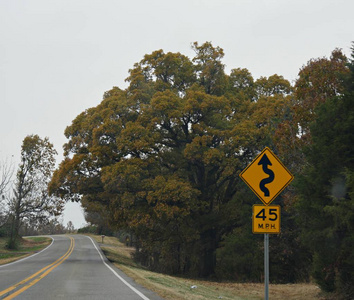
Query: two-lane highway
x=72 y=267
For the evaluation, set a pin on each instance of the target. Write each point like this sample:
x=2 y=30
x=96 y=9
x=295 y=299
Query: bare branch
x=6 y=173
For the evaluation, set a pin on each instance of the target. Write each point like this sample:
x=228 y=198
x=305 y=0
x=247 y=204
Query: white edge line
x=117 y=275
x=17 y=261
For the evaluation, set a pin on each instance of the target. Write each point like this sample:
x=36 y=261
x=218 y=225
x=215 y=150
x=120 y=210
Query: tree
x=272 y=85
x=326 y=203
x=6 y=173
x=70 y=227
x=320 y=80
x=210 y=70
x=241 y=84
x=161 y=159
x=31 y=201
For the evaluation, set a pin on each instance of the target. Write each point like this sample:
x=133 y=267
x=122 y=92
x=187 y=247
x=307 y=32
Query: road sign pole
x=266 y=266
x=267 y=189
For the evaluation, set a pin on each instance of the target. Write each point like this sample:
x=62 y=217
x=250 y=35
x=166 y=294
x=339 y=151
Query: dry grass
x=176 y=288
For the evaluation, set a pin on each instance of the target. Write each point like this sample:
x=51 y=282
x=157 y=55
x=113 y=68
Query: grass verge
x=27 y=246
x=176 y=288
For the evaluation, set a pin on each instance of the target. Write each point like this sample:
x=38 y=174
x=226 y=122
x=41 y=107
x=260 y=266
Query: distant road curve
x=72 y=267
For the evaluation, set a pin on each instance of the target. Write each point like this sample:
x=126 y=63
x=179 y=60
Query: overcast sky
x=57 y=58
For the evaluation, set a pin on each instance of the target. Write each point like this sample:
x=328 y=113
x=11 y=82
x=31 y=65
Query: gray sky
x=57 y=58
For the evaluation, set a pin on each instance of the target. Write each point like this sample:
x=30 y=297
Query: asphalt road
x=72 y=267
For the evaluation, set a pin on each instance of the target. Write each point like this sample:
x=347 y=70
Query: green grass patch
x=27 y=246
x=9 y=255
x=118 y=257
x=38 y=239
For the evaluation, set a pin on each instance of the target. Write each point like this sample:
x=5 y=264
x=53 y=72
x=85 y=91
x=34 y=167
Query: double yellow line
x=33 y=279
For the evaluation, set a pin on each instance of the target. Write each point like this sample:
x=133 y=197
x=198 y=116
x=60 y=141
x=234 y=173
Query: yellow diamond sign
x=266 y=176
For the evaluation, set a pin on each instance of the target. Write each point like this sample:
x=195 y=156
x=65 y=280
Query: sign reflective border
x=266 y=219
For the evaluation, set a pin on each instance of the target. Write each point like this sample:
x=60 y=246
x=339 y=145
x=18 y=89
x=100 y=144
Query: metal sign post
x=266 y=266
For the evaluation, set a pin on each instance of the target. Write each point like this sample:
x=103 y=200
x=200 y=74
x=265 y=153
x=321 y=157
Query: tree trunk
x=14 y=236
x=208 y=257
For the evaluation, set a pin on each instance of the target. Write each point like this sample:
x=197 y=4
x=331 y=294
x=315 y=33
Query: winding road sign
x=266 y=176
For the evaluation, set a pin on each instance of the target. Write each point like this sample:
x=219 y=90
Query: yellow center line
x=46 y=271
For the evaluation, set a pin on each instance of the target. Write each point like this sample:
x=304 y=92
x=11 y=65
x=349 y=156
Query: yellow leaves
x=271 y=109
x=135 y=139
x=197 y=148
x=171 y=197
x=208 y=149
x=166 y=106
x=140 y=219
x=125 y=175
x=273 y=85
x=163 y=102
x=66 y=180
x=213 y=156
x=199 y=101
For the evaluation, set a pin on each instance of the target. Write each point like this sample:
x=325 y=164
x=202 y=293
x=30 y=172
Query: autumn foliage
x=162 y=159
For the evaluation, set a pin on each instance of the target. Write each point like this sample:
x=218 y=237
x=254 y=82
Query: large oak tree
x=162 y=157
x=31 y=202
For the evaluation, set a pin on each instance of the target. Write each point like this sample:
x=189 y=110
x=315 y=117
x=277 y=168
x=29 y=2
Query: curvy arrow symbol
x=265 y=162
